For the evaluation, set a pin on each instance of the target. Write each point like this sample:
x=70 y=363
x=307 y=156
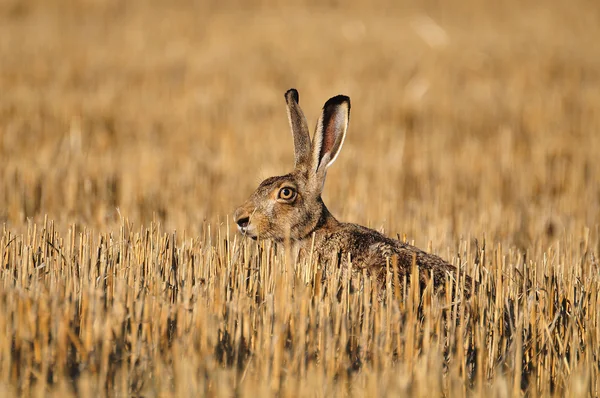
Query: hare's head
x=290 y=206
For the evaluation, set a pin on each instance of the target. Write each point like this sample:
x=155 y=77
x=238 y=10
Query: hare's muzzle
x=242 y=219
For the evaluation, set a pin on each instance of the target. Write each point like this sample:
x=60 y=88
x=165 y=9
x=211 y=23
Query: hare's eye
x=287 y=194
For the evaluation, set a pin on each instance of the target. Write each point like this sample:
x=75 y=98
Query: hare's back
x=371 y=249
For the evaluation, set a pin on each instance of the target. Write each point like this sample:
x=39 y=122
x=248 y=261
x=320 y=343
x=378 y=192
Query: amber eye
x=287 y=193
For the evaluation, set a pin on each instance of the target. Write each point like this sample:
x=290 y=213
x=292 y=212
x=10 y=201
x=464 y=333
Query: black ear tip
x=293 y=93
x=337 y=100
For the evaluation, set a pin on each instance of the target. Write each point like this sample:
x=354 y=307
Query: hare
x=290 y=208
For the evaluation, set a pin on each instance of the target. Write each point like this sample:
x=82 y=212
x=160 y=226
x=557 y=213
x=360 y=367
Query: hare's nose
x=243 y=222
x=241 y=218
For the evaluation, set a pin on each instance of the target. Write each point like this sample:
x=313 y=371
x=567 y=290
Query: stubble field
x=130 y=131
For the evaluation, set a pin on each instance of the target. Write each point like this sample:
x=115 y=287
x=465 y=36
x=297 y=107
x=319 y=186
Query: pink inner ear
x=334 y=128
x=328 y=139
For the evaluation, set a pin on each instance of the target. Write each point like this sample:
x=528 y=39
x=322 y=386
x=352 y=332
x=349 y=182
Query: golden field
x=130 y=131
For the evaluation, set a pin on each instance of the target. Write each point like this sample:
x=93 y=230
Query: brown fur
x=268 y=215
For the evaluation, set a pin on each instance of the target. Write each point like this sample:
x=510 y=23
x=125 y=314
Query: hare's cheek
x=269 y=209
x=278 y=210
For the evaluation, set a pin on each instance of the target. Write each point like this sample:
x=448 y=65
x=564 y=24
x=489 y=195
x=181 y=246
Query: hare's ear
x=329 y=136
x=299 y=129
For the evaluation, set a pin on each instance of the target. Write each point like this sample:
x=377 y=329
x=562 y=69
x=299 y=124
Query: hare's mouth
x=248 y=231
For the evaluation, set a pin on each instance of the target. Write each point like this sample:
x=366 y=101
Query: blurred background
x=468 y=118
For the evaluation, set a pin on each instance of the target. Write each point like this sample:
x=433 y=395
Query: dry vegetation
x=474 y=133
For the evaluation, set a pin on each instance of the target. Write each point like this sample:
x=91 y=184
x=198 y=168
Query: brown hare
x=290 y=207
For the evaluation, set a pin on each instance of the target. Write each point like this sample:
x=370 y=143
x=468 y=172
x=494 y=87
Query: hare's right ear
x=329 y=136
x=299 y=129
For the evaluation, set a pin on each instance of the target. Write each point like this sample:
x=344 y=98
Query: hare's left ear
x=329 y=136
x=299 y=129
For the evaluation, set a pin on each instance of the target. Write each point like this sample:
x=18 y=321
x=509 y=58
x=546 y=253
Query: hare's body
x=373 y=251
x=290 y=207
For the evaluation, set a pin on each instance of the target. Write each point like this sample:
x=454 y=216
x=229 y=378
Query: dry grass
x=474 y=133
